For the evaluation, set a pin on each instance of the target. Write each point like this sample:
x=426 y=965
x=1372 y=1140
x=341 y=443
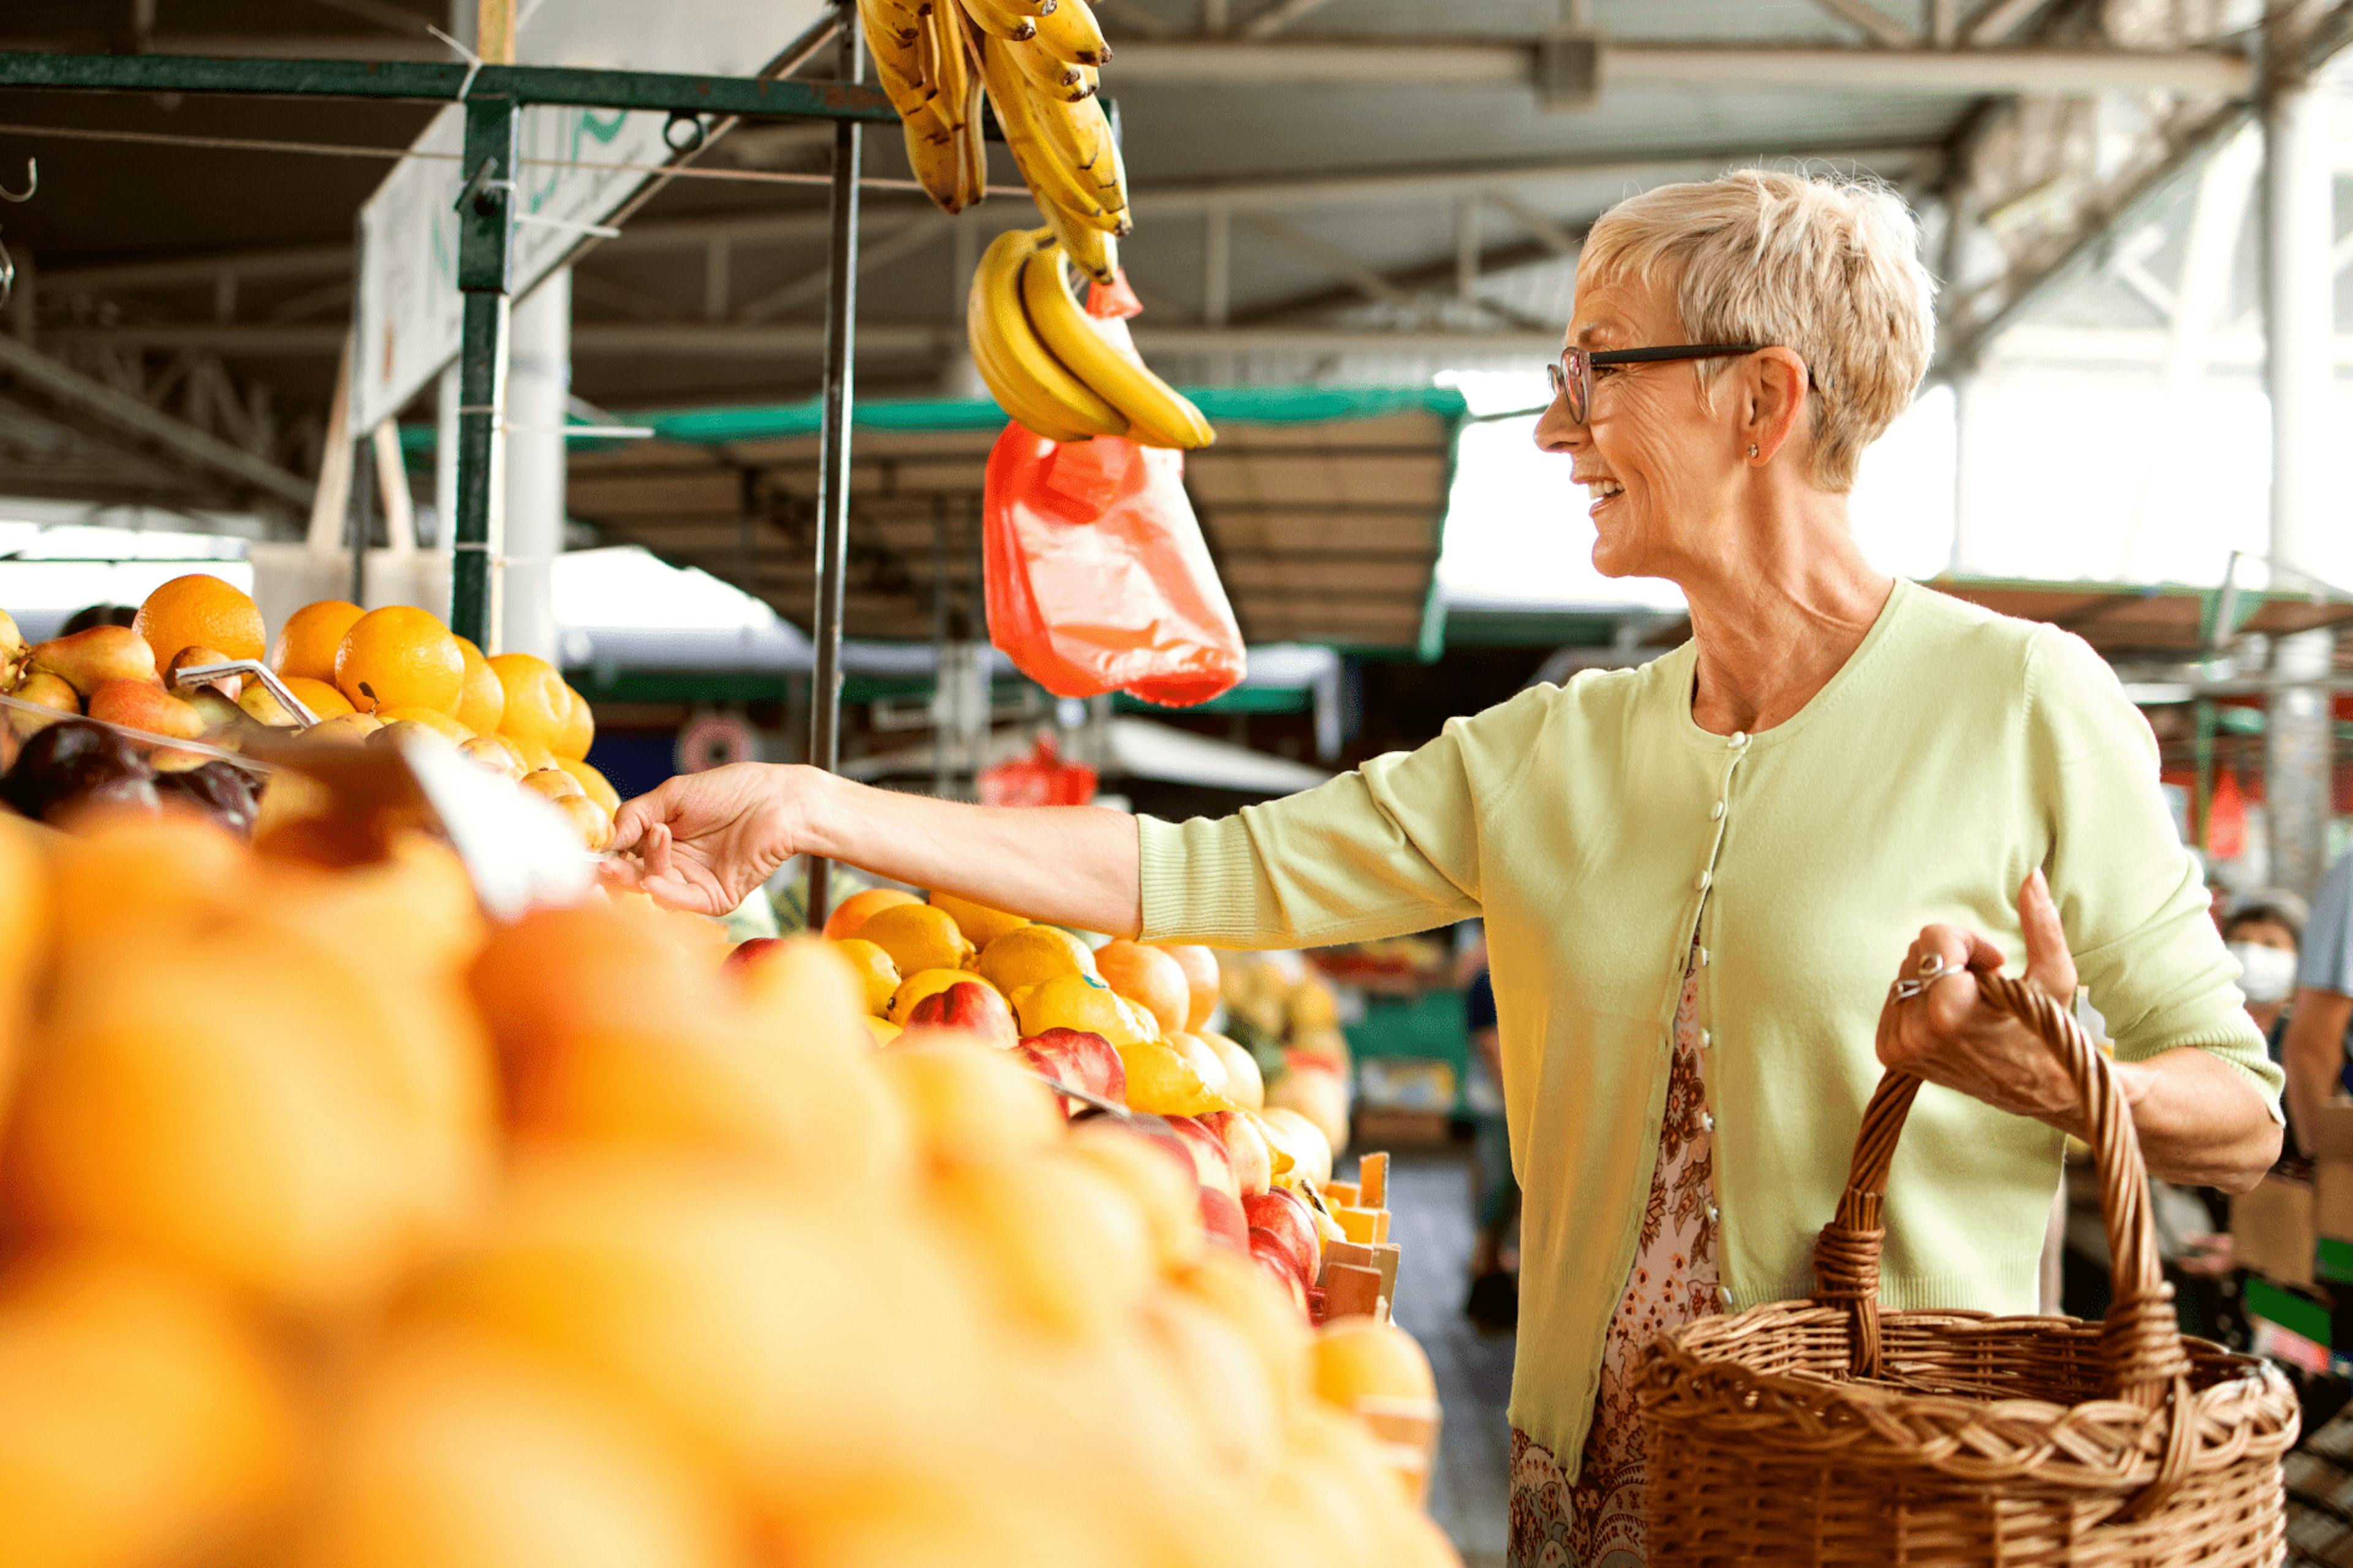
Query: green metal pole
x=485 y=272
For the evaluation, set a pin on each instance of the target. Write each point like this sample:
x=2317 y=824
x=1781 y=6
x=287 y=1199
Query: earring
x=1752 y=448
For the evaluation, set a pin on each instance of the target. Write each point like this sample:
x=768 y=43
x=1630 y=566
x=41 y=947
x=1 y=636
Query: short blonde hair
x=1828 y=268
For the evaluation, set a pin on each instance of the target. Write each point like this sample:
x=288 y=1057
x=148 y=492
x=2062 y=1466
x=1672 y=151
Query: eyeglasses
x=1572 y=374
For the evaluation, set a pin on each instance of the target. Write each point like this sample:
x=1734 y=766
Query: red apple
x=1269 y=1248
x=971 y=1005
x=1285 y=1218
x=1211 y=1165
x=1245 y=1150
x=1279 y=1269
x=1221 y=1216
x=746 y=952
x=1078 y=1058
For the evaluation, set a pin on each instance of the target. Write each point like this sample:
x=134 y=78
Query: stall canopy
x=1323 y=507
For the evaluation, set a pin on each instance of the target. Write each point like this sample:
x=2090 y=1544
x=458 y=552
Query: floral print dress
x=1596 y=1521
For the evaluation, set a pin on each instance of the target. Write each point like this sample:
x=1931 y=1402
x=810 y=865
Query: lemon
x=876 y=972
x=1084 y=1002
x=923 y=983
x=1032 y=956
x=980 y=924
x=917 y=937
x=1162 y=1080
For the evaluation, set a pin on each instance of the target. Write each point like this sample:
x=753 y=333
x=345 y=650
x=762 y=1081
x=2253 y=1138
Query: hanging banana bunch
x=924 y=61
x=1051 y=366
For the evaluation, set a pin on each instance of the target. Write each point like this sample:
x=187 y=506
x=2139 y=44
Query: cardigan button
x=1702 y=883
x=1739 y=739
x=1708 y=1121
x=1715 y=1215
x=1724 y=1297
x=1716 y=812
x=1705 y=1039
x=1702 y=955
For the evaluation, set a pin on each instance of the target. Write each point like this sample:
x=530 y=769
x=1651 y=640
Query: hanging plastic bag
x=1042 y=778
x=1097 y=576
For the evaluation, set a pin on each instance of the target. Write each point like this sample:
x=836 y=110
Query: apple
x=1279 y=1269
x=1269 y=1248
x=969 y=1005
x=1081 y=1060
x=743 y=953
x=1212 y=1166
x=1246 y=1151
x=1286 y=1218
x=1221 y=1216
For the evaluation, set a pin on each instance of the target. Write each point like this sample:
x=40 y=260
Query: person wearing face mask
x=2263 y=931
x=2313 y=1053
x=1698 y=876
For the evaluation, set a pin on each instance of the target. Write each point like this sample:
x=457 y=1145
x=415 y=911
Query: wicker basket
x=1826 y=1431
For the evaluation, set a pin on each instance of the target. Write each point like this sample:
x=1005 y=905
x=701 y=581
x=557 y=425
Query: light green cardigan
x=1594 y=825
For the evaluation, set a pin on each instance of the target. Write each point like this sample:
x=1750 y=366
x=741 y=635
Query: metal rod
x=833 y=468
x=361 y=524
x=441 y=81
x=485 y=274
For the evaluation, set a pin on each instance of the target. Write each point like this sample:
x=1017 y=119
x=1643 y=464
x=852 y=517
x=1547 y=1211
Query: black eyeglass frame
x=1572 y=373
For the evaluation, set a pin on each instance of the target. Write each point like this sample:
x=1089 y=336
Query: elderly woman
x=1697 y=876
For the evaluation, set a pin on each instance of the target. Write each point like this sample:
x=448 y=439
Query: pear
x=343 y=729
x=263 y=708
x=553 y=783
x=12 y=649
x=88 y=659
x=215 y=708
x=196 y=659
x=42 y=690
x=144 y=705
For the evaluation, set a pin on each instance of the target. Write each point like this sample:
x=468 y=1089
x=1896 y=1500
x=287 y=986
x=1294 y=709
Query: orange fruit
x=495 y=752
x=319 y=696
x=1148 y=977
x=539 y=705
x=917 y=937
x=579 y=729
x=1361 y=1358
x=1032 y=955
x=588 y=819
x=482 y=701
x=876 y=972
x=307 y=642
x=858 y=907
x=980 y=924
x=438 y=722
x=200 y=610
x=1079 y=1002
x=1200 y=967
x=555 y=783
x=535 y=756
x=400 y=656
x=593 y=783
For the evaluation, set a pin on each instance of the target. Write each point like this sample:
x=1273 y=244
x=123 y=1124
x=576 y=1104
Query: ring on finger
x=1933 y=968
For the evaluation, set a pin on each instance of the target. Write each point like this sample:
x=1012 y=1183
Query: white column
x=539 y=382
x=1966 y=393
x=2299 y=322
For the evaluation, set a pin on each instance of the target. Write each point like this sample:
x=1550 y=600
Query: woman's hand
x=704 y=841
x=1948 y=1034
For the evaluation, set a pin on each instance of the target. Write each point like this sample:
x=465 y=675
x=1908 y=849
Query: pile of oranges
x=396 y=672
x=347 y=1230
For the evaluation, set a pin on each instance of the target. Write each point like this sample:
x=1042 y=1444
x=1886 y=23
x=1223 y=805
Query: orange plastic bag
x=1097 y=576
x=1042 y=778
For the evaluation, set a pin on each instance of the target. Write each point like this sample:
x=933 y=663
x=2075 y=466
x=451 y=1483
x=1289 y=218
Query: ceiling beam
x=1363 y=278
x=1871 y=20
x=62 y=383
x=1497 y=63
x=1277 y=16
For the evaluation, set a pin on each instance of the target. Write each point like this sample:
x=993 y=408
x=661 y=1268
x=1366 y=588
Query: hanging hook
x=32 y=183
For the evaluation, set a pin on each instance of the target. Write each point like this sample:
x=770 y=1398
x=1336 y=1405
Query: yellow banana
x=1052 y=181
x=1091 y=250
x=1054 y=79
x=1001 y=19
x=1157 y=414
x=896 y=19
x=950 y=72
x=973 y=144
x=1015 y=399
x=1081 y=133
x=1069 y=32
x=939 y=163
x=1007 y=337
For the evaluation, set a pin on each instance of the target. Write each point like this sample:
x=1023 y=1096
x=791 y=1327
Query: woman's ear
x=1775 y=400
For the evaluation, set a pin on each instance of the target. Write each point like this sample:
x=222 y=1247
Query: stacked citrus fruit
x=347 y=1230
x=1125 y=1022
x=395 y=672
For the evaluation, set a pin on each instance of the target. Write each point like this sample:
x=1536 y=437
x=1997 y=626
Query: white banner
x=406 y=312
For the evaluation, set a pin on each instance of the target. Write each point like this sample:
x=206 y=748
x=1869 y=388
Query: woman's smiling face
x=1654 y=458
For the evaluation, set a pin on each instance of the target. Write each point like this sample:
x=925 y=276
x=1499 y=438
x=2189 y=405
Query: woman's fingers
x=2048 y=963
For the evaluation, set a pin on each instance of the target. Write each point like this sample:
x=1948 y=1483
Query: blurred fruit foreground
x=345 y=1231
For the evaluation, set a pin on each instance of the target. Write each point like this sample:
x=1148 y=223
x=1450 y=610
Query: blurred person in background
x=2312 y=1051
x=1698 y=876
x=2264 y=931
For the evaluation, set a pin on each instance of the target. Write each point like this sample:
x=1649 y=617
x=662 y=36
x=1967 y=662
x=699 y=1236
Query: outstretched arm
x=704 y=841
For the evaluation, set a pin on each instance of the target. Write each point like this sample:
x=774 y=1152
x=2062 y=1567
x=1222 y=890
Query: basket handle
x=2140 y=1338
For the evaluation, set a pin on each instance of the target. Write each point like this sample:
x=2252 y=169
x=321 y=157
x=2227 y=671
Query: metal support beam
x=1277 y=16
x=62 y=383
x=1882 y=28
x=1459 y=62
x=1466 y=246
x=1551 y=235
x=833 y=459
x=2299 y=322
x=485 y=277
x=1371 y=284
x=2000 y=19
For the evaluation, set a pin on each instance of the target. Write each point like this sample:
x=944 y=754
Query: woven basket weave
x=1827 y=1431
